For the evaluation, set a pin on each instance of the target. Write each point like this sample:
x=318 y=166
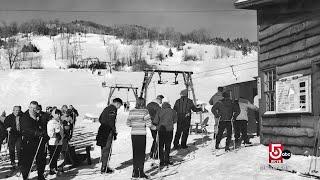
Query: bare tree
x=13 y=51
x=136 y=52
x=55 y=49
x=62 y=47
x=113 y=52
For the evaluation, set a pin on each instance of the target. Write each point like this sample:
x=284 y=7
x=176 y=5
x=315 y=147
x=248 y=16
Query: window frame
x=270 y=93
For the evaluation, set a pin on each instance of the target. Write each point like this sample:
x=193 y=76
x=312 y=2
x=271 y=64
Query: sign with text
x=293 y=94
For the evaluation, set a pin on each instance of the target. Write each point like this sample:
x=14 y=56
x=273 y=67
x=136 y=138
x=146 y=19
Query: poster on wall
x=293 y=94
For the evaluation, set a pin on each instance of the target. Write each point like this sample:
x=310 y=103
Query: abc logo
x=286 y=154
x=277 y=153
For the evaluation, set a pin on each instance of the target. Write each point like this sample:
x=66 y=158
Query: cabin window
x=270 y=89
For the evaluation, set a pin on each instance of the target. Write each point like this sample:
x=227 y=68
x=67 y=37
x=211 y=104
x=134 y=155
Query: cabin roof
x=256 y=4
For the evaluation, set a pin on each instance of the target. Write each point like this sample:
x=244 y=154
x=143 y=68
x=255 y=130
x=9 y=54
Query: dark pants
x=183 y=127
x=106 y=151
x=222 y=126
x=15 y=145
x=138 y=148
x=154 y=147
x=54 y=152
x=240 y=126
x=165 y=139
x=29 y=148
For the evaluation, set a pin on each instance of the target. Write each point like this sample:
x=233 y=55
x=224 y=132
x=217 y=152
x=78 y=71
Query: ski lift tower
x=148 y=75
x=128 y=87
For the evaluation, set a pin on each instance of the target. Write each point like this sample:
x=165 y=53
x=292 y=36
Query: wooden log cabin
x=289 y=71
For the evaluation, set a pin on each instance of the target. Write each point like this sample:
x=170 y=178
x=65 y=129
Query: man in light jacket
x=241 y=123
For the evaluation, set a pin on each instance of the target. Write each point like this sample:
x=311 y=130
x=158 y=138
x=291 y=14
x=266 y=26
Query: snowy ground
x=84 y=91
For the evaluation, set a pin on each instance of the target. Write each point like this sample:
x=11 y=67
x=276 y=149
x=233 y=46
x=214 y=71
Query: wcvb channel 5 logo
x=277 y=154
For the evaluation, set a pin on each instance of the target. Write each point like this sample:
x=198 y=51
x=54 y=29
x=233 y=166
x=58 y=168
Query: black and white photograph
x=159 y=89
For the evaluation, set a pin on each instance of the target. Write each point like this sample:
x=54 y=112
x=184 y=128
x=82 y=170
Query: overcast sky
x=160 y=13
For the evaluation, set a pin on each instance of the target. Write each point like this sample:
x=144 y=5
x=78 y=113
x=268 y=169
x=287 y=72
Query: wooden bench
x=80 y=145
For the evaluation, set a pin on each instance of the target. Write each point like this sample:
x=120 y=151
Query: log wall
x=289 y=40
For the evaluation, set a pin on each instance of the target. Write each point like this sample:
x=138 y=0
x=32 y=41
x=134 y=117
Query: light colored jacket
x=216 y=98
x=53 y=127
x=245 y=105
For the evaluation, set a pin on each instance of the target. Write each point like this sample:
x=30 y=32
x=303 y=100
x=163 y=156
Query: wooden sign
x=293 y=94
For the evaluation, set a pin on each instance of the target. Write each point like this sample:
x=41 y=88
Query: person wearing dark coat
x=153 y=107
x=165 y=118
x=33 y=129
x=107 y=132
x=3 y=131
x=183 y=107
x=12 y=124
x=226 y=111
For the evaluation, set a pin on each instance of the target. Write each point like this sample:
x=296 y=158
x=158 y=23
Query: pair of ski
x=307 y=174
x=220 y=152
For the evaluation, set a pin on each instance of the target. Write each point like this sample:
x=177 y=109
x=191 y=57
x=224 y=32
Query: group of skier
x=160 y=117
x=32 y=133
x=230 y=115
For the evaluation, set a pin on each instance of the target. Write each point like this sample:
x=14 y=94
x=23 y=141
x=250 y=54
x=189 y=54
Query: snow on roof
x=253 y=4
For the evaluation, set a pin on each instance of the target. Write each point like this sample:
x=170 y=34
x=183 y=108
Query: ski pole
x=35 y=156
x=232 y=133
x=110 y=152
x=54 y=152
x=158 y=148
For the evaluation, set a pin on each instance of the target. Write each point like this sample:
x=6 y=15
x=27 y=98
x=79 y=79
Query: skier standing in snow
x=107 y=133
x=164 y=120
x=3 y=131
x=34 y=138
x=183 y=107
x=241 y=122
x=12 y=124
x=153 y=107
x=227 y=111
x=214 y=99
x=55 y=132
x=138 y=120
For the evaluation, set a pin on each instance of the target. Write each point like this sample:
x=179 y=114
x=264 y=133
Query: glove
x=9 y=129
x=115 y=136
x=39 y=133
x=58 y=136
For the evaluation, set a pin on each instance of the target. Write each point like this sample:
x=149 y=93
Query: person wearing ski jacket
x=153 y=107
x=227 y=111
x=3 y=131
x=107 y=132
x=12 y=124
x=165 y=120
x=55 y=132
x=33 y=130
x=139 y=119
x=213 y=100
x=241 y=123
x=183 y=107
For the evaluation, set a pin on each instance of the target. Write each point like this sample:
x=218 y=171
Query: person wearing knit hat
x=184 y=92
x=183 y=107
x=153 y=107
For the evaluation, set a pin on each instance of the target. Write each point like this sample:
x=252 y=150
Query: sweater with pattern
x=138 y=120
